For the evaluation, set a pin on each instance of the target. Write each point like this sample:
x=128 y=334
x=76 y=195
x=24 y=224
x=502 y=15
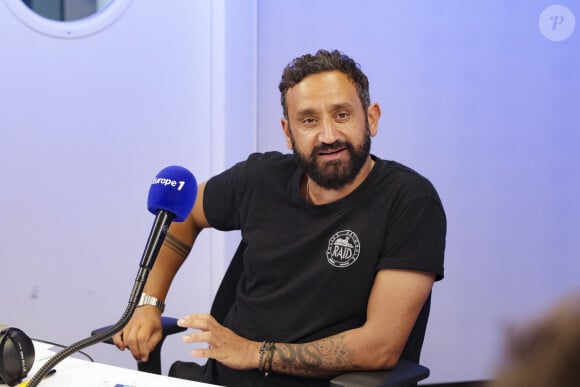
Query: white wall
x=85 y=125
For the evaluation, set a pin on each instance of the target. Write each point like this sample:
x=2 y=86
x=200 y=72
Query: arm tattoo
x=176 y=245
x=322 y=358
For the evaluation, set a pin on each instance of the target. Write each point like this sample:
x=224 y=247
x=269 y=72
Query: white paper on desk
x=74 y=372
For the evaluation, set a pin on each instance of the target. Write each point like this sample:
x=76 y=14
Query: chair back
x=226 y=293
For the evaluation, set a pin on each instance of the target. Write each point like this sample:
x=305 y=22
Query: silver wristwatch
x=146 y=299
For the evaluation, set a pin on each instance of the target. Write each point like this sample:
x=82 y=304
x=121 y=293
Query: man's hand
x=142 y=333
x=223 y=344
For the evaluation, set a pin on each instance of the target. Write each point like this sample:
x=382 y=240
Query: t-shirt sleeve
x=228 y=194
x=415 y=238
x=221 y=196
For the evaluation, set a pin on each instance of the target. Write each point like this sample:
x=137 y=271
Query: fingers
x=208 y=332
x=223 y=344
x=200 y=337
x=140 y=335
x=118 y=341
x=141 y=341
x=202 y=352
x=135 y=343
x=198 y=321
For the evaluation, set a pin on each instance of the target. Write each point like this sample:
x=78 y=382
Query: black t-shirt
x=309 y=269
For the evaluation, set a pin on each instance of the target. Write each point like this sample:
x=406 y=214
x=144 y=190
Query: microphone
x=171 y=198
x=173 y=190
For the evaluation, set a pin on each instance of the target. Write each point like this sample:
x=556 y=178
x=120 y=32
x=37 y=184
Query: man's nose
x=328 y=132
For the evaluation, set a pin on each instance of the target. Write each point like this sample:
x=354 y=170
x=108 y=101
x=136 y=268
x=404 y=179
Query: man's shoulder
x=395 y=169
x=272 y=157
x=404 y=178
x=261 y=168
x=261 y=162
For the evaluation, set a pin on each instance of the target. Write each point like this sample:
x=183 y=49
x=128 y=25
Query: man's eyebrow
x=335 y=107
x=342 y=106
x=305 y=112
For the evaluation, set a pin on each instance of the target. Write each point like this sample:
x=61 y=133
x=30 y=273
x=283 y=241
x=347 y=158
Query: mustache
x=338 y=144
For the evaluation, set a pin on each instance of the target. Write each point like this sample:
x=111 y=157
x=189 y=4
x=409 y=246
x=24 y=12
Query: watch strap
x=146 y=299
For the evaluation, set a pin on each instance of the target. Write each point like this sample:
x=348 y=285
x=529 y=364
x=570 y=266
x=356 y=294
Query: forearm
x=322 y=358
x=178 y=242
x=161 y=275
x=175 y=249
x=331 y=356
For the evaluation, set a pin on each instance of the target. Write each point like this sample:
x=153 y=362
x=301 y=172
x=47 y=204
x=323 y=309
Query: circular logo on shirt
x=343 y=249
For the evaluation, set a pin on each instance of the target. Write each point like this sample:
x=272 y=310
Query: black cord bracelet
x=261 y=360
x=271 y=348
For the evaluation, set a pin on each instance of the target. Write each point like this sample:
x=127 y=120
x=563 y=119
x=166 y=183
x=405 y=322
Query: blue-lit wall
x=478 y=98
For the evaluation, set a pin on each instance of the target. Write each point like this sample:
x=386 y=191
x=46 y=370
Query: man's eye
x=308 y=121
x=342 y=116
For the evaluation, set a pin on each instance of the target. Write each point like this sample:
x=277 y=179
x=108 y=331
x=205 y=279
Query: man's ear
x=373 y=114
x=286 y=130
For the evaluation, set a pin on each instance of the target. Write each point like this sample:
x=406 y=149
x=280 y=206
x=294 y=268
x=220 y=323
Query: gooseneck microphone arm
x=162 y=221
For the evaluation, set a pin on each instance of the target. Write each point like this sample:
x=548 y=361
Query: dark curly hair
x=323 y=61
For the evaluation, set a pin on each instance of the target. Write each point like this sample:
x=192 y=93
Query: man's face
x=328 y=129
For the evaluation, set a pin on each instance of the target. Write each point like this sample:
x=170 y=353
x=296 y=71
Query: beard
x=334 y=174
